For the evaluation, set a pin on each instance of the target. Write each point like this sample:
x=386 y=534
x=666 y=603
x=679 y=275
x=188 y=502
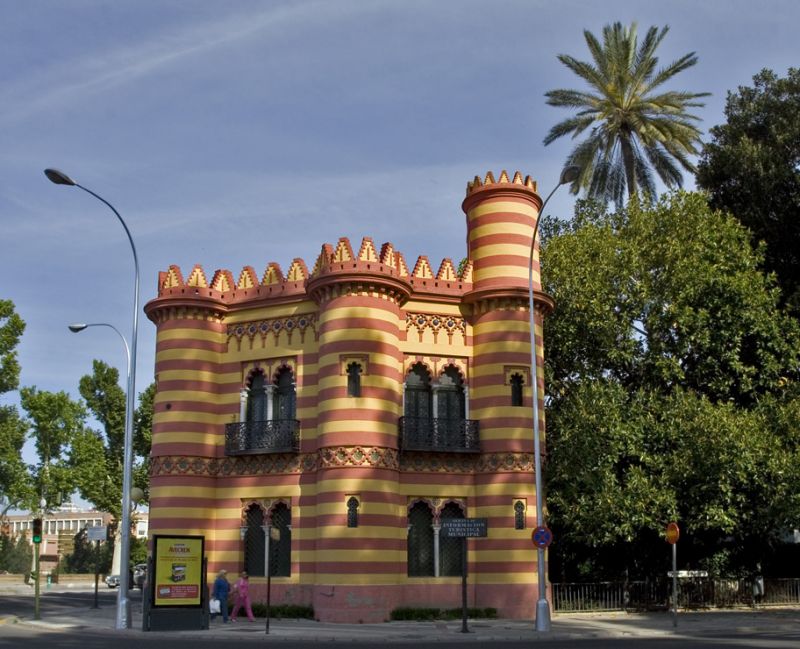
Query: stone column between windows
x=268 y=391
x=243 y=404
x=436 y=530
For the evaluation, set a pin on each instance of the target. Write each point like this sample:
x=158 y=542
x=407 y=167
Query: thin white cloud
x=97 y=72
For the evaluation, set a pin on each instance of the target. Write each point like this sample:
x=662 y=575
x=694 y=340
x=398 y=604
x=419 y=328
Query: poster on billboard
x=178 y=570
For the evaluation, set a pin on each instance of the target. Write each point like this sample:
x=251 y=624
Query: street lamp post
x=568 y=175
x=123 y=620
x=78 y=327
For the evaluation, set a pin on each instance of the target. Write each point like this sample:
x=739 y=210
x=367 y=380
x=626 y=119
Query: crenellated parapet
x=476 y=184
x=337 y=268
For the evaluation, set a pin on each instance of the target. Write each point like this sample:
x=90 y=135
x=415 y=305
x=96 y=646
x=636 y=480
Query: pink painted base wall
x=374 y=604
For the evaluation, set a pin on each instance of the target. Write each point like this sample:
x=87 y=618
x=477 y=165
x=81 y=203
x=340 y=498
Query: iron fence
x=252 y=437
x=693 y=593
x=436 y=434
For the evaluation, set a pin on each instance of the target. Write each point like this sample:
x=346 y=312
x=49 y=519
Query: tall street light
x=123 y=620
x=77 y=328
x=568 y=175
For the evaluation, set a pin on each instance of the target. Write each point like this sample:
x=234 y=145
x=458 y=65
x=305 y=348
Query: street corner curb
x=8 y=619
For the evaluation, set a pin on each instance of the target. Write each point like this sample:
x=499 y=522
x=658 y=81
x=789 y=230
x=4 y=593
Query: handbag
x=213 y=606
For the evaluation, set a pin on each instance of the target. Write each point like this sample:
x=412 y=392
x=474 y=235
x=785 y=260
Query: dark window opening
x=419 y=398
x=519 y=515
x=516 y=389
x=354 y=380
x=420 y=541
x=285 y=400
x=280 y=561
x=254 y=542
x=352 y=512
x=451 y=550
x=256 y=399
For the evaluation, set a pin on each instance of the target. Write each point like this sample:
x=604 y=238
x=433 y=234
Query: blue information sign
x=464 y=527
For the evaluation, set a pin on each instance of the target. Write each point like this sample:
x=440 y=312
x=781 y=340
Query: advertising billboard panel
x=178 y=570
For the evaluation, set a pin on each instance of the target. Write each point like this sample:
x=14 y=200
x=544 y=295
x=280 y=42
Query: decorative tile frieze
x=262 y=329
x=335 y=457
x=436 y=323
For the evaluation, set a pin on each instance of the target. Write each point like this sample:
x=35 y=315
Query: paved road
x=68 y=620
x=24 y=636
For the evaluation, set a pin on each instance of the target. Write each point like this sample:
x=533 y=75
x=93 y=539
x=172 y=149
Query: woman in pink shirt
x=240 y=591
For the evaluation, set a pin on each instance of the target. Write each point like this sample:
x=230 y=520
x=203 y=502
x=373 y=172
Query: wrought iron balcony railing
x=254 y=437
x=439 y=435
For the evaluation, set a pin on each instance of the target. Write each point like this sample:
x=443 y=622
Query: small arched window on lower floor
x=420 y=541
x=451 y=549
x=280 y=561
x=280 y=545
x=517 y=381
x=254 y=541
x=352 y=511
x=354 y=371
x=519 y=515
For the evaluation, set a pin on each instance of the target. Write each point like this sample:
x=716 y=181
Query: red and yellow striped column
x=196 y=395
x=500 y=223
x=355 y=567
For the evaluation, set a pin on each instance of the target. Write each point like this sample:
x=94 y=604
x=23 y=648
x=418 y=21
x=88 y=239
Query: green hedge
x=409 y=613
x=283 y=611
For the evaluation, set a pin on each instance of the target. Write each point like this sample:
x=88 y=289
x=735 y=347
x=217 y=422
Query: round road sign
x=542 y=537
x=673 y=533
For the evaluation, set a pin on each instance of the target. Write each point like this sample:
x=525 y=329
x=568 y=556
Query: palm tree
x=634 y=130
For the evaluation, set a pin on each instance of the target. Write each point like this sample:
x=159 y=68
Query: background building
x=59 y=528
x=352 y=407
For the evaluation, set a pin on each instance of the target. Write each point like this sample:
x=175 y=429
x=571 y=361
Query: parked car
x=112 y=581
x=139 y=575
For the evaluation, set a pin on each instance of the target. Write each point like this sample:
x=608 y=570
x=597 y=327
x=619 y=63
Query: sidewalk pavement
x=564 y=626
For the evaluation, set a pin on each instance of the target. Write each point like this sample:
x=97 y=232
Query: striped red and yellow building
x=350 y=409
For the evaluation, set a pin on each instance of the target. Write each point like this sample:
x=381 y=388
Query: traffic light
x=37 y=530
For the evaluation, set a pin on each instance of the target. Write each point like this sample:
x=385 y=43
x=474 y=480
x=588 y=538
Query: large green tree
x=143 y=438
x=14 y=484
x=15 y=554
x=751 y=168
x=664 y=296
x=69 y=455
x=106 y=400
x=635 y=127
x=670 y=369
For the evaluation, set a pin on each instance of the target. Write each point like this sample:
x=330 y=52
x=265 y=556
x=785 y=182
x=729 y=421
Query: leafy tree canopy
x=14 y=484
x=15 y=554
x=70 y=456
x=662 y=297
x=672 y=374
x=106 y=400
x=11 y=328
x=751 y=168
x=635 y=127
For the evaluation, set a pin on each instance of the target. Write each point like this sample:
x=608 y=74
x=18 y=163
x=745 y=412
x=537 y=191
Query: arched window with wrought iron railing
x=285 y=404
x=256 y=399
x=451 y=409
x=267 y=418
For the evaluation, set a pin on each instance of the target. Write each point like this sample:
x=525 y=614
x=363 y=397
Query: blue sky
x=244 y=132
